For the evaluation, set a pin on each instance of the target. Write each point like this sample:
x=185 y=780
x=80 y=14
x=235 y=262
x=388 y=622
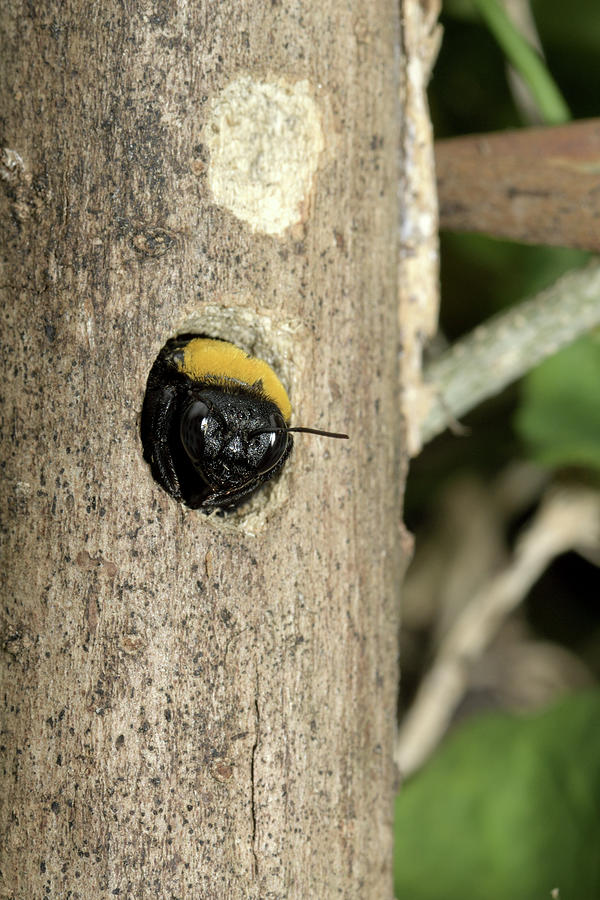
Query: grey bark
x=195 y=709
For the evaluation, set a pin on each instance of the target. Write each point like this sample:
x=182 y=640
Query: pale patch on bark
x=265 y=139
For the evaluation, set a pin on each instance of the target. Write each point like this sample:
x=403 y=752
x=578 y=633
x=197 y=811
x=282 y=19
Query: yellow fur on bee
x=204 y=358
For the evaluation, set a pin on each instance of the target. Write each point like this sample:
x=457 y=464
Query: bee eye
x=276 y=444
x=274 y=452
x=192 y=429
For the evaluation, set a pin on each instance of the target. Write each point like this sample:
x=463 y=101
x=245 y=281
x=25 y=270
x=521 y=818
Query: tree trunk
x=193 y=706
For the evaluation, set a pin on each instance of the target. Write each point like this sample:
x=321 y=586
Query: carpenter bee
x=215 y=422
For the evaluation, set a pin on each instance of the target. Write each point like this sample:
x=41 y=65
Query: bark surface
x=195 y=708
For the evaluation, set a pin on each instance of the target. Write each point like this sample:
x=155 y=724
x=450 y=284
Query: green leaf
x=526 y=61
x=520 y=54
x=509 y=809
x=559 y=415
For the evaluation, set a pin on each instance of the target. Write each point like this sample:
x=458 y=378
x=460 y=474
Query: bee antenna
x=331 y=434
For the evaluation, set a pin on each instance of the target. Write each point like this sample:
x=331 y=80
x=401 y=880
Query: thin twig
x=565 y=520
x=500 y=351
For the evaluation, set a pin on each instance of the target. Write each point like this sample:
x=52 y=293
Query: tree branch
x=534 y=185
x=498 y=352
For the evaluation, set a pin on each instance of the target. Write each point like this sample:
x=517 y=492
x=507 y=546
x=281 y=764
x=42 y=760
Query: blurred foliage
x=470 y=92
x=526 y=61
x=559 y=414
x=508 y=810
x=480 y=275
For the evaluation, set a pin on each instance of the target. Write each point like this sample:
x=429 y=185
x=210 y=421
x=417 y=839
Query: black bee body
x=214 y=422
